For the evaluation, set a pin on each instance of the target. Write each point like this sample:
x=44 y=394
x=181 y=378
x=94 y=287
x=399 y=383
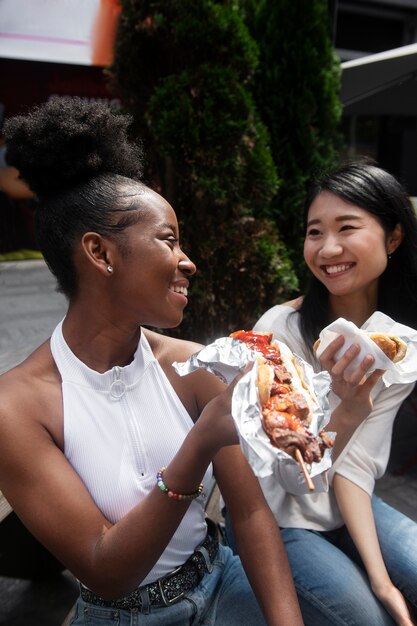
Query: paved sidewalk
x=30 y=308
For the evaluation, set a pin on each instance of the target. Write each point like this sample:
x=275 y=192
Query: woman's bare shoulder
x=37 y=365
x=30 y=393
x=294 y=304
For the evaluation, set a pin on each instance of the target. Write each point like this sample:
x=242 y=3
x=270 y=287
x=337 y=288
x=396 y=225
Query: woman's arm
x=258 y=538
x=51 y=500
x=364 y=417
x=257 y=534
x=355 y=506
x=12 y=185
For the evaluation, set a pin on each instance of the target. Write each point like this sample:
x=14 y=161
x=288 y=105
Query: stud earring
x=389 y=256
x=110 y=269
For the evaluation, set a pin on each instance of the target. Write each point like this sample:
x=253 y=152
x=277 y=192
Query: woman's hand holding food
x=353 y=388
x=215 y=425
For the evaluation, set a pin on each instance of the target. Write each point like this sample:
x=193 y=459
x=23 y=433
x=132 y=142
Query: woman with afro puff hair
x=106 y=453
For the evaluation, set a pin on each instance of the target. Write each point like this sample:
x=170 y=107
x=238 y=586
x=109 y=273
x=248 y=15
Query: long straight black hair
x=373 y=189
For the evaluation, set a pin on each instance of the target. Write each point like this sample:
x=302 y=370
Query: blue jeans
x=223 y=598
x=332 y=586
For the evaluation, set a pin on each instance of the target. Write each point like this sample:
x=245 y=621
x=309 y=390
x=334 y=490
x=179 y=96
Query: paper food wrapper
x=405 y=371
x=225 y=358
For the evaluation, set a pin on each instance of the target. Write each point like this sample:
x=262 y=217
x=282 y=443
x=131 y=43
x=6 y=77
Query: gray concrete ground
x=29 y=309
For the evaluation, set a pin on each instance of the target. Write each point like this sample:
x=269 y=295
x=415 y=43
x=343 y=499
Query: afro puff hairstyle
x=76 y=157
x=67 y=141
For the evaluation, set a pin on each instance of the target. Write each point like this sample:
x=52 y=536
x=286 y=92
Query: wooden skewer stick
x=300 y=460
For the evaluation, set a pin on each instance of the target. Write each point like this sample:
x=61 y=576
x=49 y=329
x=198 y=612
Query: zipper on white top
x=118 y=386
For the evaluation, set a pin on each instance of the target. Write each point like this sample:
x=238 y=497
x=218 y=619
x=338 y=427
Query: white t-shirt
x=363 y=460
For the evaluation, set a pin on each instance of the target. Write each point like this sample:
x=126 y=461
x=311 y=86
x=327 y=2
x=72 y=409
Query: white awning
x=79 y=32
x=381 y=84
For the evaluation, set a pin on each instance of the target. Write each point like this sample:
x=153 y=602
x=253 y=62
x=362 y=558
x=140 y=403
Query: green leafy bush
x=184 y=69
x=297 y=95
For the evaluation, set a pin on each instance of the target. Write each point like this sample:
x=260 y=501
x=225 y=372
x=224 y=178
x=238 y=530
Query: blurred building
x=48 y=48
x=63 y=47
x=382 y=120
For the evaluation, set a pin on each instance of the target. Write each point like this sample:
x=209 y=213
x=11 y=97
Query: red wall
x=25 y=83
x=22 y=85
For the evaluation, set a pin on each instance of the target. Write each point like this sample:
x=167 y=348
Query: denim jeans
x=332 y=586
x=223 y=598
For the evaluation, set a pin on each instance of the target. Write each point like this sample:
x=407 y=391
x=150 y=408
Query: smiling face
x=151 y=274
x=345 y=247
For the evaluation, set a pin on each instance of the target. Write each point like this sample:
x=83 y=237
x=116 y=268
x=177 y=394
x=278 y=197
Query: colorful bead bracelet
x=172 y=494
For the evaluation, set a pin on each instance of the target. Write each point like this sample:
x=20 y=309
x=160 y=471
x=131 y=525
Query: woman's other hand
x=394 y=602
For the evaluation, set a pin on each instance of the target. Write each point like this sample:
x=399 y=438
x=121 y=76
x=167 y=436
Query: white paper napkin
x=405 y=371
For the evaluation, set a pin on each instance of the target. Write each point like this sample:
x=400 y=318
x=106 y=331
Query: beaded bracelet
x=172 y=494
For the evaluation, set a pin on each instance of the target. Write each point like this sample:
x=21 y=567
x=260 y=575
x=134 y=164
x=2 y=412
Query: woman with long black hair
x=352 y=556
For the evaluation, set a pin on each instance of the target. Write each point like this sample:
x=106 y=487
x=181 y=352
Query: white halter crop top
x=120 y=428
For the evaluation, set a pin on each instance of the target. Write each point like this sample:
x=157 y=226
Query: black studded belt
x=172 y=587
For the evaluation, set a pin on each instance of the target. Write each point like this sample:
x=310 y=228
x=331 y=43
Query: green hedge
x=185 y=71
x=297 y=95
